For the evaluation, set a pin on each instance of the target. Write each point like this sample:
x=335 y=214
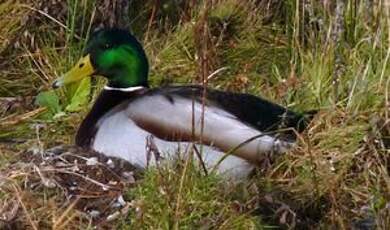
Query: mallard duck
x=130 y=120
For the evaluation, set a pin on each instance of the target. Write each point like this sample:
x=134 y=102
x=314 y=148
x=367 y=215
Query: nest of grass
x=78 y=186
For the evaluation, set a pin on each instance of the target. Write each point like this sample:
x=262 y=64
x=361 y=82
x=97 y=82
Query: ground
x=332 y=57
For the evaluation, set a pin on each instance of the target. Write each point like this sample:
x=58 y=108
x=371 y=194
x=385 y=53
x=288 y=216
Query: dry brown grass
x=338 y=176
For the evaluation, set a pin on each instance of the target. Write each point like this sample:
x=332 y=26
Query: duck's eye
x=81 y=65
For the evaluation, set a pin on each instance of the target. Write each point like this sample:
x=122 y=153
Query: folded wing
x=176 y=115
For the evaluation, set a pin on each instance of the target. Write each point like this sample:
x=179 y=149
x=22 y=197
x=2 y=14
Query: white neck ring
x=129 y=89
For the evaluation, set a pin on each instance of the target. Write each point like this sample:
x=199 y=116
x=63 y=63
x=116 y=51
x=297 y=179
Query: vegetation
x=326 y=55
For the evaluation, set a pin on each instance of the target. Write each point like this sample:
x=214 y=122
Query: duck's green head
x=114 y=54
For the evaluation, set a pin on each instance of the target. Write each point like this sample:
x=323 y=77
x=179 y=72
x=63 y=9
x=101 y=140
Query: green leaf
x=80 y=96
x=50 y=100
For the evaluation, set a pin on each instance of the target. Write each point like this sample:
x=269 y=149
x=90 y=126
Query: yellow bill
x=81 y=70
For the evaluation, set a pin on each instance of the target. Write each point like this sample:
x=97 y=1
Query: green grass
x=290 y=56
x=200 y=202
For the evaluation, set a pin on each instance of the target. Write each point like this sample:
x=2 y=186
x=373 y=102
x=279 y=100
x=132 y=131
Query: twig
x=314 y=166
x=18 y=196
x=200 y=160
x=14 y=119
x=79 y=175
x=37 y=64
x=181 y=185
x=336 y=37
x=356 y=81
x=199 y=153
x=45 y=181
x=51 y=18
x=387 y=102
x=213 y=74
x=204 y=66
x=90 y=25
x=151 y=19
x=387 y=13
x=57 y=224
